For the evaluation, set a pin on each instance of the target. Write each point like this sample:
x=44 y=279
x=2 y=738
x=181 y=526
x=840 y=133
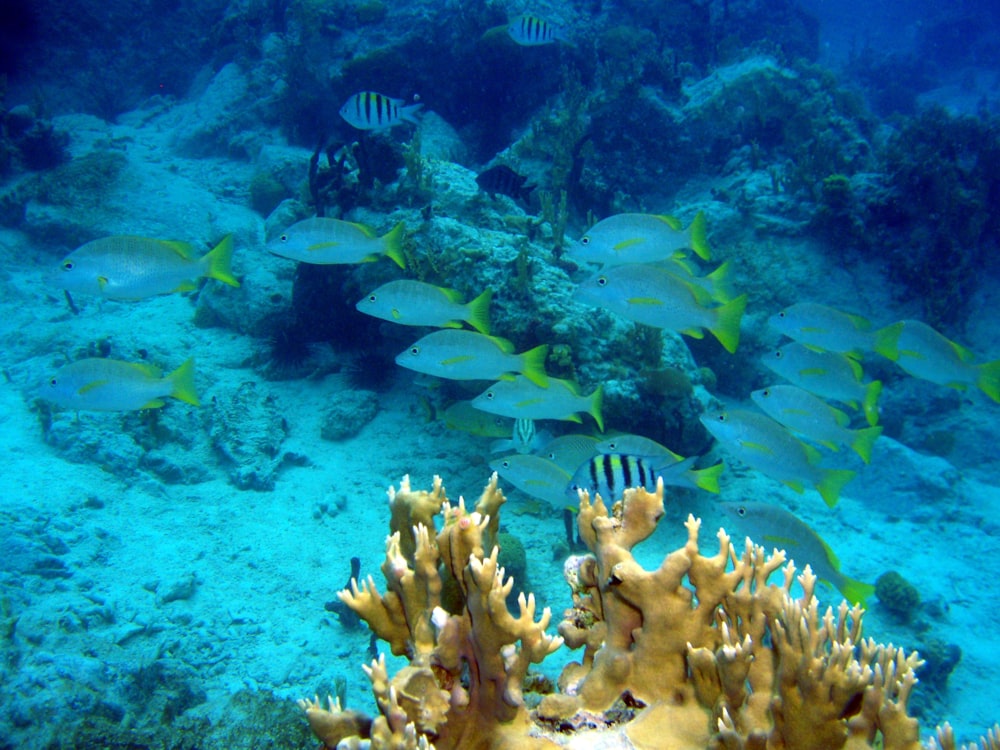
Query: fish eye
x=721 y=417
x=781 y=314
x=741 y=511
x=53 y=382
x=613 y=445
x=67 y=265
x=766 y=392
x=585 y=240
x=414 y=350
x=489 y=395
x=506 y=464
x=283 y=238
x=777 y=354
x=602 y=281
x=371 y=297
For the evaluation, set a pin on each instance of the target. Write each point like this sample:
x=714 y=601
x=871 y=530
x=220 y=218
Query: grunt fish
x=467 y=355
x=96 y=384
x=325 y=241
x=416 y=303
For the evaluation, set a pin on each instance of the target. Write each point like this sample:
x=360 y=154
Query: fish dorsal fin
x=855 y=368
x=183 y=249
x=671 y=221
x=503 y=344
x=812 y=455
x=365 y=230
x=452 y=295
x=961 y=352
x=841 y=417
x=861 y=323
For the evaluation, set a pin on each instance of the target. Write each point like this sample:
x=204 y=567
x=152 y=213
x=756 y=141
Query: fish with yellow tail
x=764 y=445
x=825 y=328
x=96 y=384
x=522 y=399
x=324 y=241
x=640 y=238
x=658 y=298
x=468 y=355
x=827 y=374
x=814 y=419
x=124 y=267
x=464 y=417
x=417 y=303
x=369 y=110
x=926 y=354
x=535 y=476
x=768 y=524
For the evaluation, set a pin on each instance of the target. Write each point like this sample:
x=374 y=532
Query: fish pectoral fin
x=395 y=314
x=644 y=301
x=102 y=281
x=84 y=390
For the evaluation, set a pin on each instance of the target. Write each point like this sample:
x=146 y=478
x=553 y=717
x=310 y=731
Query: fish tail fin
x=832 y=482
x=393 y=244
x=989 y=379
x=533 y=365
x=596 y=404
x=856 y=592
x=870 y=402
x=217 y=262
x=479 y=312
x=699 y=236
x=887 y=341
x=719 y=283
x=708 y=479
x=863 y=442
x=727 y=323
x=409 y=113
x=182 y=382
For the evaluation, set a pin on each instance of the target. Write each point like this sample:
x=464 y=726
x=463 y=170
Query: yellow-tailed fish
x=521 y=398
x=468 y=355
x=768 y=524
x=463 y=416
x=125 y=267
x=610 y=474
x=661 y=456
x=764 y=445
x=827 y=374
x=416 y=303
x=926 y=354
x=325 y=241
x=96 y=384
x=569 y=451
x=532 y=31
x=814 y=419
x=535 y=476
x=655 y=297
x=824 y=328
x=369 y=110
x=640 y=238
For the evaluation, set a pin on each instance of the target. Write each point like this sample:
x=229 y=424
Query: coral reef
x=701 y=652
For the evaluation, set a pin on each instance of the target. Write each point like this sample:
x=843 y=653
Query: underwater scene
x=492 y=375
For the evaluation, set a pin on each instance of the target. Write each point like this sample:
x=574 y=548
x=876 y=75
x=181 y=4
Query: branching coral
x=703 y=652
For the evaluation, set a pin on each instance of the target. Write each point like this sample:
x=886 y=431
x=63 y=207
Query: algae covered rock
x=347 y=413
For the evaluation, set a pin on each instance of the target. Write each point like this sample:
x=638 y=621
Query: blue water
x=168 y=574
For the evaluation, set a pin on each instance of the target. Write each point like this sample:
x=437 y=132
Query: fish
x=637 y=445
x=765 y=445
x=324 y=241
x=469 y=355
x=535 y=476
x=610 y=474
x=521 y=398
x=810 y=416
x=524 y=438
x=658 y=298
x=824 y=328
x=926 y=354
x=463 y=416
x=504 y=180
x=826 y=374
x=640 y=238
x=97 y=384
x=417 y=303
x=531 y=31
x=765 y=523
x=569 y=451
x=368 y=110
x=124 y=267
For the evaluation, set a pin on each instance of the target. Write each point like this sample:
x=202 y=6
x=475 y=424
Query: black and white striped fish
x=531 y=31
x=610 y=474
x=368 y=110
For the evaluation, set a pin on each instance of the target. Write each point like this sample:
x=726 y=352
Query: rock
x=348 y=412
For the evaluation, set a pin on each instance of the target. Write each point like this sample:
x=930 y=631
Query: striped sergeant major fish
x=531 y=31
x=368 y=110
x=610 y=474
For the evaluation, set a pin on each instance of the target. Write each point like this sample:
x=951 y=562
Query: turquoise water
x=166 y=571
